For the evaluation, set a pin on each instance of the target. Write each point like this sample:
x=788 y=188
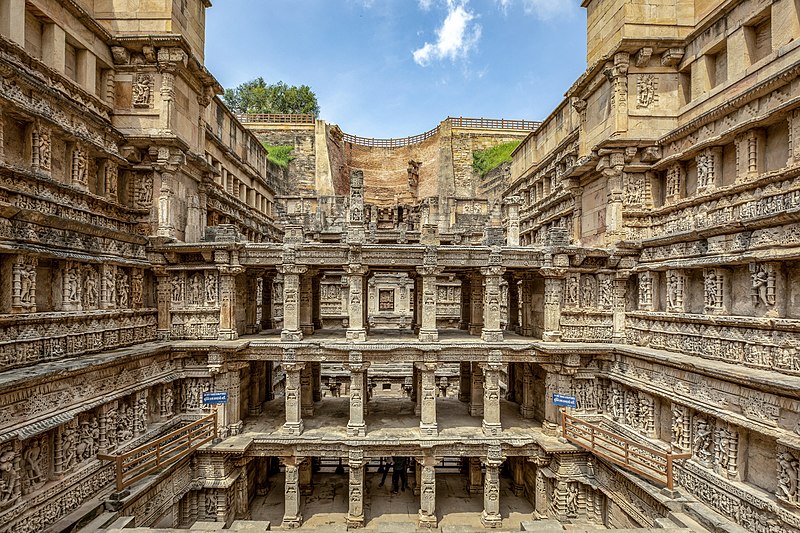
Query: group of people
x=399 y=468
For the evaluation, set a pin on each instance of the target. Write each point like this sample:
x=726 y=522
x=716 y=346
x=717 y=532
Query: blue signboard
x=564 y=400
x=210 y=398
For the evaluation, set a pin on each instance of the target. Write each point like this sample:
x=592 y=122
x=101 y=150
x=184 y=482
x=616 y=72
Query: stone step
x=684 y=520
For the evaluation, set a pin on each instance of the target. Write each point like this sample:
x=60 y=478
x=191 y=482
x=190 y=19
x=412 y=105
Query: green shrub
x=484 y=161
x=281 y=155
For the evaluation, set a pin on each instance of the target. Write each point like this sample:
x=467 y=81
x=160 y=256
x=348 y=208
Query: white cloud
x=425 y=5
x=541 y=9
x=457 y=35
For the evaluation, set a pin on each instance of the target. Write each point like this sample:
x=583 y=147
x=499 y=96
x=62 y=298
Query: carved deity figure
x=87 y=440
x=27 y=277
x=587 y=292
x=44 y=149
x=725 y=449
x=645 y=90
x=67 y=448
x=167 y=401
x=763 y=284
x=71 y=282
x=176 y=282
x=196 y=288
x=705 y=170
x=123 y=289
x=125 y=425
x=678 y=421
x=211 y=287
x=90 y=292
x=111 y=424
x=788 y=468
x=141 y=414
x=9 y=478
x=145 y=192
x=142 y=90
x=110 y=285
x=79 y=166
x=645 y=291
x=702 y=440
x=711 y=286
x=572 y=291
x=572 y=499
x=607 y=293
x=674 y=291
x=32 y=466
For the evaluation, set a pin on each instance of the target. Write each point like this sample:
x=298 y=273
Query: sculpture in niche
x=122 y=289
x=713 y=290
x=788 y=473
x=142 y=90
x=90 y=289
x=725 y=451
x=196 y=289
x=706 y=163
x=571 y=294
x=211 y=504
x=45 y=149
x=702 y=444
x=111 y=425
x=109 y=284
x=141 y=415
x=9 y=478
x=678 y=421
x=125 y=421
x=211 y=286
x=646 y=291
x=137 y=287
x=71 y=284
x=572 y=499
x=33 y=463
x=167 y=401
x=79 y=166
x=675 y=283
x=145 y=191
x=176 y=282
x=674 y=183
x=587 y=291
x=88 y=436
x=763 y=284
x=68 y=444
x=24 y=284
x=607 y=293
x=112 y=171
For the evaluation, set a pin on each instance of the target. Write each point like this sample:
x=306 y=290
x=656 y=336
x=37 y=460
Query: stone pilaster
x=306 y=303
x=227 y=302
x=512 y=217
x=427 y=423
x=163 y=300
x=526 y=320
x=231 y=383
x=465 y=381
x=306 y=392
x=490 y=517
x=427 y=496
x=23 y=292
x=356 y=426
x=709 y=169
x=750 y=154
x=553 y=296
x=166 y=223
x=291 y=308
x=355 y=227
x=266 y=302
x=491 y=331
x=491 y=400
x=475 y=304
x=611 y=166
x=428 y=330
x=620 y=283
x=526 y=409
x=251 y=305
x=513 y=304
x=356 y=330
x=474 y=476
x=518 y=476
x=355 y=489
x=291 y=514
x=476 y=394
x=294 y=418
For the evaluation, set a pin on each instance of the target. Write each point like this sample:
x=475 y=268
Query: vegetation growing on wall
x=484 y=161
x=280 y=154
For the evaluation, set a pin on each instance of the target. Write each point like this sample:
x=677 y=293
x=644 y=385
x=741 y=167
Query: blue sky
x=391 y=68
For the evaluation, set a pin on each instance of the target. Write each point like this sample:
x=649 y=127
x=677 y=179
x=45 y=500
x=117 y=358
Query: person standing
x=386 y=465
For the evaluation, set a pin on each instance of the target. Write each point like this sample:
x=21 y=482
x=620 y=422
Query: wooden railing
x=149 y=458
x=648 y=462
x=272 y=118
x=493 y=123
x=372 y=142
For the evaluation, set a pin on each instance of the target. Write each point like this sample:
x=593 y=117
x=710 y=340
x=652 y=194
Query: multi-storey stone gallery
x=191 y=334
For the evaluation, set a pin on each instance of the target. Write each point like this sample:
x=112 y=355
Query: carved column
x=166 y=224
x=305 y=476
x=491 y=399
x=306 y=392
x=355 y=226
x=491 y=331
x=611 y=167
x=518 y=475
x=476 y=394
x=465 y=381
x=230 y=382
x=294 y=418
x=475 y=476
x=291 y=309
x=251 y=305
x=416 y=395
x=427 y=496
x=553 y=294
x=164 y=298
x=291 y=515
x=475 y=303
x=526 y=409
x=356 y=426
x=512 y=230
x=465 y=293
x=513 y=304
x=490 y=518
x=555 y=382
x=227 y=302
x=526 y=322
x=266 y=302
x=356 y=330
x=355 y=509
x=427 y=424
x=620 y=284
x=306 y=302
x=428 y=330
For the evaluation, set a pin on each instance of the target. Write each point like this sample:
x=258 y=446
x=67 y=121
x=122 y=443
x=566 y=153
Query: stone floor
x=326 y=507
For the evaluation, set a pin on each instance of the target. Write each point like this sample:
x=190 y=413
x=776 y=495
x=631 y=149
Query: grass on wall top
x=484 y=161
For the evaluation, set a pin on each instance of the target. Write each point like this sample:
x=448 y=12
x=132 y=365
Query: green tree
x=255 y=96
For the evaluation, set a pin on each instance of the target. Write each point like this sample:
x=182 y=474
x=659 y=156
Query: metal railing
x=147 y=459
x=646 y=461
x=272 y=118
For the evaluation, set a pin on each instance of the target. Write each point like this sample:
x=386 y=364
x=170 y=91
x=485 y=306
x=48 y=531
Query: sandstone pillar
x=291 y=310
x=227 y=302
x=306 y=300
x=417 y=478
x=355 y=509
x=258 y=385
x=611 y=167
x=526 y=407
x=427 y=424
x=465 y=293
x=526 y=322
x=518 y=475
x=491 y=400
x=316 y=382
x=291 y=512
x=474 y=476
x=12 y=21
x=553 y=289
x=475 y=304
x=490 y=518
x=163 y=299
x=618 y=305
x=428 y=330
x=294 y=418
x=465 y=381
x=306 y=392
x=266 y=302
x=476 y=393
x=230 y=383
x=356 y=426
x=251 y=305
x=305 y=476
x=491 y=331
x=166 y=223
x=356 y=330
x=427 y=496
x=513 y=304
x=555 y=383
x=512 y=229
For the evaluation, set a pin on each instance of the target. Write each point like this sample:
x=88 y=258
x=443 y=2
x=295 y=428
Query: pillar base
x=358 y=335
x=517 y=489
x=526 y=331
x=307 y=411
x=354 y=522
x=429 y=335
x=356 y=430
x=292 y=522
x=307 y=329
x=476 y=410
x=251 y=329
x=492 y=335
x=550 y=428
x=427 y=521
x=551 y=336
x=463 y=397
x=293 y=428
x=428 y=430
x=227 y=335
x=235 y=429
x=491 y=521
x=526 y=411
x=306 y=490
x=475 y=489
x=475 y=329
x=290 y=335
x=491 y=429
x=256 y=410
